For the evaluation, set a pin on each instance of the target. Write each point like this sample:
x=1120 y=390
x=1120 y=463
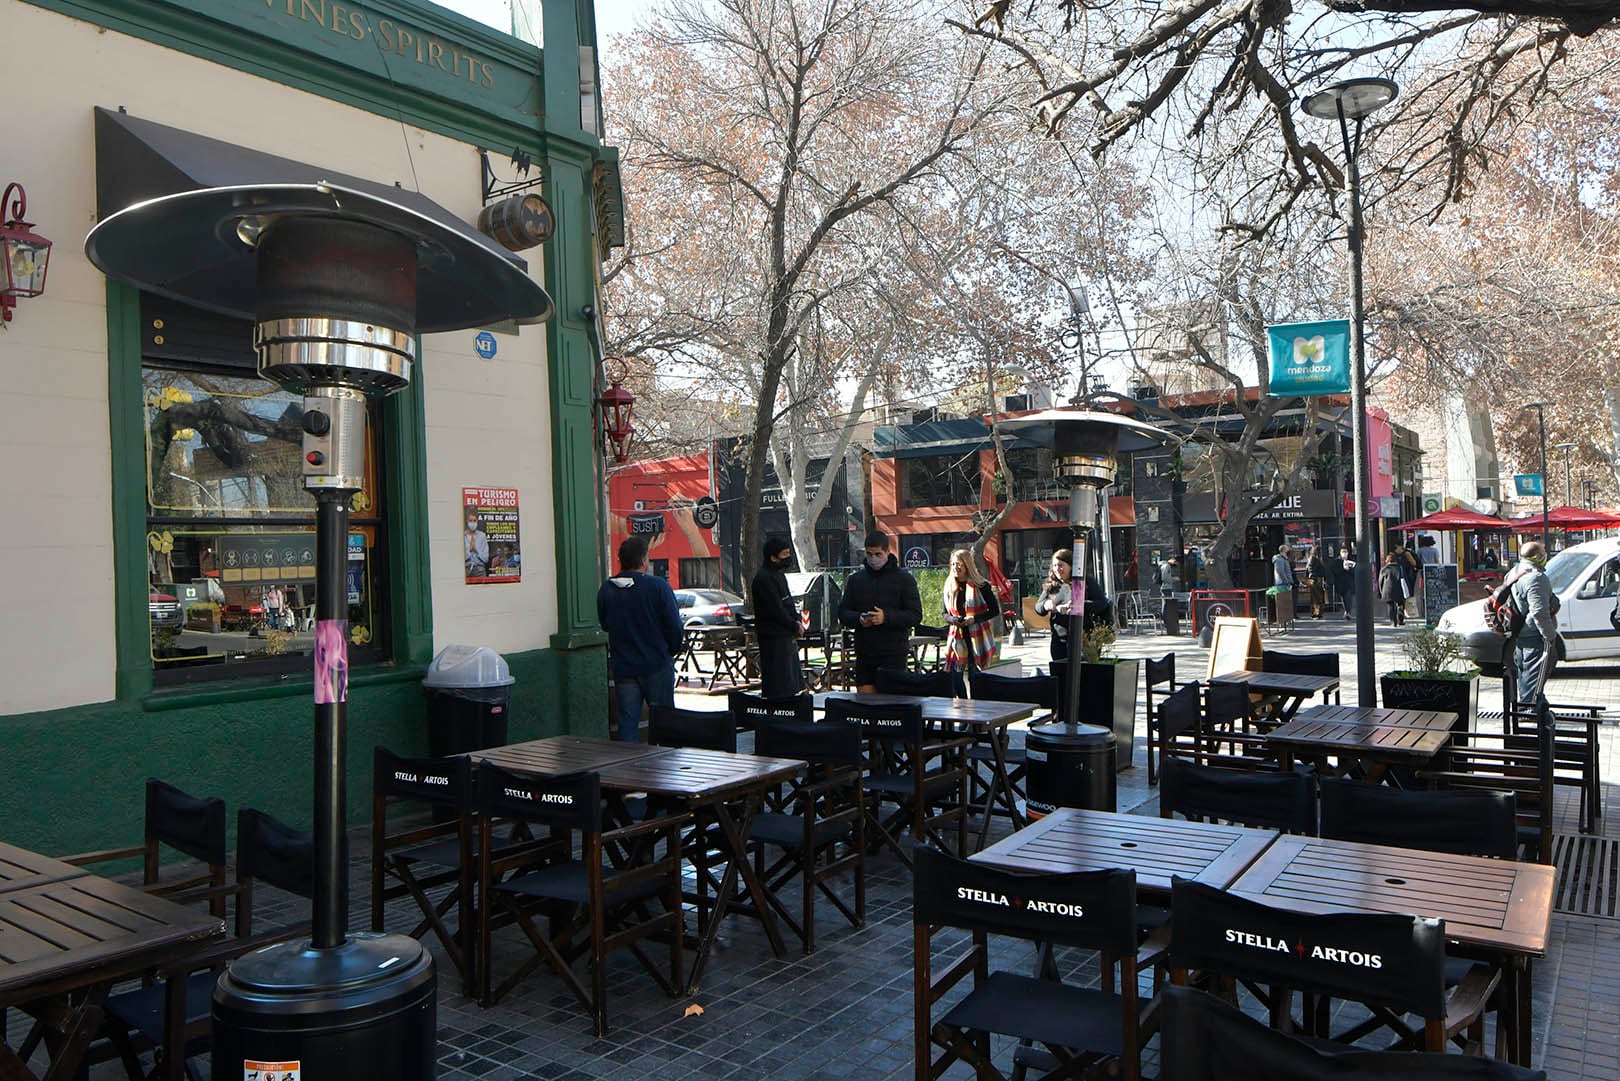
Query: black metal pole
x=1366 y=672
x=330 y=920
x=1541 y=421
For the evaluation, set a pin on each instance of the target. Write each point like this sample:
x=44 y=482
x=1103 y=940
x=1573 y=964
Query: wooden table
x=1157 y=849
x=1499 y=907
x=1281 y=692
x=1377 y=738
x=67 y=936
x=985 y=720
x=713 y=786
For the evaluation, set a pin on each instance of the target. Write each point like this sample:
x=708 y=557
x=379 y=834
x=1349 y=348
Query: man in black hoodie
x=776 y=623
x=643 y=625
x=881 y=603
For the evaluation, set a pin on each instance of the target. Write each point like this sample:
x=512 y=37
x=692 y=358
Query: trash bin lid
x=468 y=666
x=1069 y=734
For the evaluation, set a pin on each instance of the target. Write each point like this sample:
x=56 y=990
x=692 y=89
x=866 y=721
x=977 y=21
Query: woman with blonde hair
x=970 y=610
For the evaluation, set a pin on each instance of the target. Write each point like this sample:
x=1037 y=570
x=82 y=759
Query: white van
x=1586 y=579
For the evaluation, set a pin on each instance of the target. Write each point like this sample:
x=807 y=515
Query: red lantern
x=24 y=254
x=617 y=406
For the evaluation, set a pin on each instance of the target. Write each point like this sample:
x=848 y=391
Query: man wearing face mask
x=882 y=604
x=1535 y=649
x=776 y=623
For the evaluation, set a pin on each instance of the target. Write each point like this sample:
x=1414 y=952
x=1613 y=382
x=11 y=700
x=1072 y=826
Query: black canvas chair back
x=916 y=684
x=195 y=826
x=1300 y=664
x=705 y=729
x=747 y=710
x=833 y=742
x=1202 y=1038
x=445 y=782
x=1179 y=717
x=1160 y=670
x=1093 y=910
x=570 y=801
x=271 y=852
x=1383 y=960
x=1037 y=690
x=1281 y=800
x=1467 y=823
x=888 y=721
x=1159 y=681
x=1226 y=705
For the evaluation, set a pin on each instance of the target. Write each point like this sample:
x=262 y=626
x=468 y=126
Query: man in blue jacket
x=643 y=626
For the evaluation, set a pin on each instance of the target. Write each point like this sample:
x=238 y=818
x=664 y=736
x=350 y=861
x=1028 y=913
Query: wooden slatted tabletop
x=1157 y=849
x=1377 y=737
x=64 y=935
x=698 y=775
x=1387 y=718
x=562 y=754
x=968 y=712
x=1497 y=904
x=21 y=868
x=1280 y=683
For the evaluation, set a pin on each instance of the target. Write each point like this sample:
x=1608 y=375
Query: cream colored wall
x=488 y=421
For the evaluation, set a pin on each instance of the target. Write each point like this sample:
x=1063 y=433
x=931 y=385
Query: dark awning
x=940 y=437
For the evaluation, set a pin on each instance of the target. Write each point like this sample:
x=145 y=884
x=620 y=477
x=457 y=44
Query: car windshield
x=1565 y=567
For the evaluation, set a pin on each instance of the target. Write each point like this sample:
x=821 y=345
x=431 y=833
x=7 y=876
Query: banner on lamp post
x=1308 y=359
x=1527 y=483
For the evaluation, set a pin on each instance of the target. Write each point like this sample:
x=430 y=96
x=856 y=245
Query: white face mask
x=877 y=563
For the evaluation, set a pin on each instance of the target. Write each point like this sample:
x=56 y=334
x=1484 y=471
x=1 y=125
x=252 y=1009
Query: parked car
x=1586 y=579
x=165 y=608
x=708 y=607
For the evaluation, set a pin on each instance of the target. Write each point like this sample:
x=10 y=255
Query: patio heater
x=1085 y=448
x=338 y=282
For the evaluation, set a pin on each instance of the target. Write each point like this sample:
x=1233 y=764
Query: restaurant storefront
x=161 y=627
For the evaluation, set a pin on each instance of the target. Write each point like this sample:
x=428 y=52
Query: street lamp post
x=1541 y=422
x=1569 y=497
x=1354 y=99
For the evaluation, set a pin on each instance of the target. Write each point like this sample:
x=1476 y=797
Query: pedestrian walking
x=776 y=623
x=1392 y=589
x=969 y=605
x=1316 y=582
x=1282 y=587
x=643 y=626
x=1344 y=580
x=882 y=605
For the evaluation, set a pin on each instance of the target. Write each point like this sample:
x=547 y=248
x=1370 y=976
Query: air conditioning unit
x=1015 y=403
x=1147 y=392
x=924 y=416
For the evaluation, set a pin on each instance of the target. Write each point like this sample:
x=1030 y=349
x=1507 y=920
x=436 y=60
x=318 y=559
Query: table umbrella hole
x=1396 y=881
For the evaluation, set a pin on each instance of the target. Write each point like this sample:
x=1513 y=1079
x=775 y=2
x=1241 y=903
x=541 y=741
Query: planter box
x=1108 y=695
x=1459 y=696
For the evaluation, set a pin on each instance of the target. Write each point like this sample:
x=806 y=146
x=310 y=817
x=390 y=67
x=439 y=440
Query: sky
x=612 y=16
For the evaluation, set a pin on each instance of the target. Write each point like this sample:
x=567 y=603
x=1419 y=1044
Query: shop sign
x=1313 y=503
x=489 y=541
x=1309 y=359
x=266 y=557
x=1433 y=504
x=705 y=513
x=1389 y=506
x=1527 y=483
x=917 y=556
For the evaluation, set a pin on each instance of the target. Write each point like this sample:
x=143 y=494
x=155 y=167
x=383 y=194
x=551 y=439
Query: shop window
x=231 y=531
x=700 y=573
x=940 y=481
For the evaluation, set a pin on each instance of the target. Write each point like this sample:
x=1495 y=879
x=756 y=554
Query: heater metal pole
x=330 y=926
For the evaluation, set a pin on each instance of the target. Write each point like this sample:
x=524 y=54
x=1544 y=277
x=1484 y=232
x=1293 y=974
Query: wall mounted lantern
x=24 y=254
x=617 y=406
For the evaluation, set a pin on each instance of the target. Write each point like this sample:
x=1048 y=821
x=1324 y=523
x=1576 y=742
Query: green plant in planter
x=1433 y=654
x=1095 y=644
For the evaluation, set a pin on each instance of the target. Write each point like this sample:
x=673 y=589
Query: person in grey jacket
x=1282 y=577
x=1535 y=648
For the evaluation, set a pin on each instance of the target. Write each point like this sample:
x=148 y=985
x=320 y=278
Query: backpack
x=1502 y=616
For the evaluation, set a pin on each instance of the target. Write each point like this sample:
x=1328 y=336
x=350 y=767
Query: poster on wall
x=489 y=538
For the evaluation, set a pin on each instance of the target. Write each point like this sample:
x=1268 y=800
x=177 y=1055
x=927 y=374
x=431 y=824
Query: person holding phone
x=882 y=605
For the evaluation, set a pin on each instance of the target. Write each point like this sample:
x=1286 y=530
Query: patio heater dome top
x=1085 y=444
x=200 y=248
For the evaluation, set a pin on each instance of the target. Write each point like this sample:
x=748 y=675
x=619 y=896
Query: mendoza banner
x=1310 y=358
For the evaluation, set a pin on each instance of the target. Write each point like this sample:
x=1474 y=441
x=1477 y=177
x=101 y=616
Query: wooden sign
x=1234 y=647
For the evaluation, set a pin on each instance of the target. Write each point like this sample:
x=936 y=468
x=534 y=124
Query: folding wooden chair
x=1037 y=690
x=411 y=859
x=1393 y=965
x=1081 y=1027
x=710 y=730
x=591 y=903
x=747 y=711
x=916 y=684
x=1202 y=1038
x=1270 y=799
x=1467 y=822
x=1179 y=723
x=1576 y=752
x=817 y=822
x=190 y=825
x=1302 y=664
x=174 y=1012
x=923 y=776
x=1504 y=762
x=1159 y=681
x=1230 y=730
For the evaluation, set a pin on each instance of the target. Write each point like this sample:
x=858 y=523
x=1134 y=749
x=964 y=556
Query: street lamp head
x=1355 y=97
x=1537 y=406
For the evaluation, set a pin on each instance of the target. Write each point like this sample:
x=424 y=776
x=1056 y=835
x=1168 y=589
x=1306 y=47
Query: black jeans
x=1397 y=612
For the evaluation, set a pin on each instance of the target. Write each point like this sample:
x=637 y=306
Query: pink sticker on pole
x=331 y=661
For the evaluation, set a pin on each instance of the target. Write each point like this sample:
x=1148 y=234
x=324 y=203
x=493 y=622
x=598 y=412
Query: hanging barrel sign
x=519 y=222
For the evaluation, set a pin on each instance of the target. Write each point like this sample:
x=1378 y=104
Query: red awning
x=1456 y=518
x=1566 y=517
